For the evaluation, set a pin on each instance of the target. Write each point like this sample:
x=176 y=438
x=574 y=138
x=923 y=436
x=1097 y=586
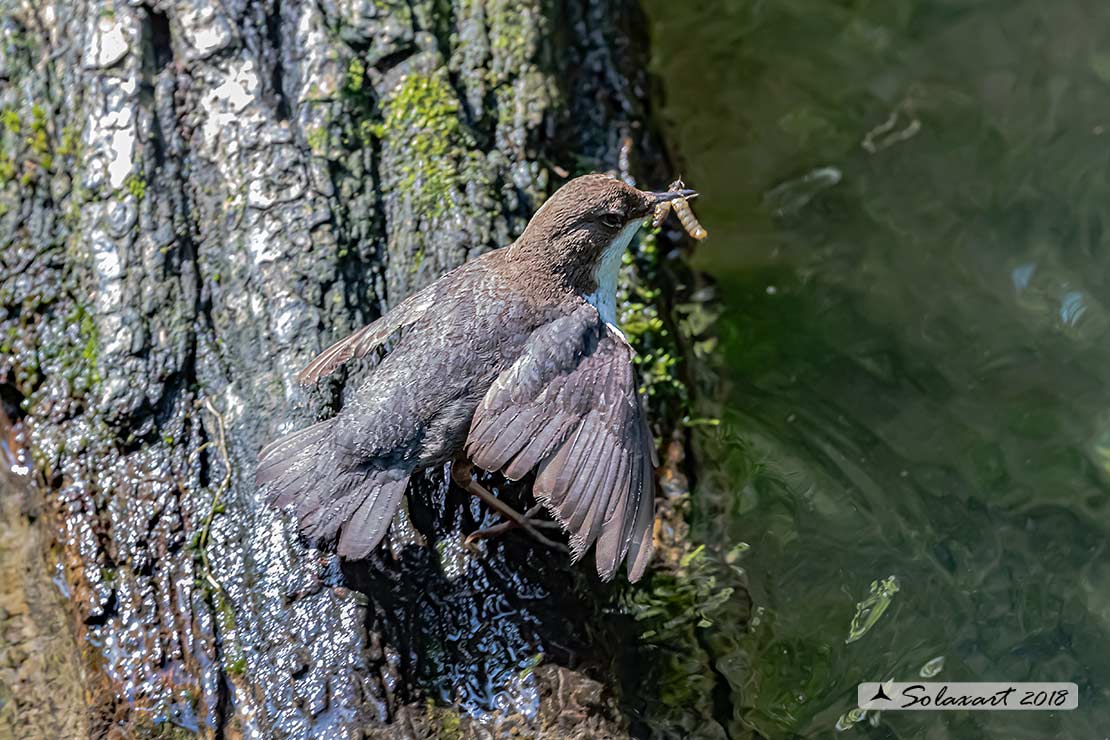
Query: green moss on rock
x=512 y=34
x=447 y=721
x=10 y=121
x=136 y=185
x=422 y=130
x=356 y=76
x=317 y=139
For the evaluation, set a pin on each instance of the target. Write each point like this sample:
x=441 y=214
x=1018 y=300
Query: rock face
x=195 y=198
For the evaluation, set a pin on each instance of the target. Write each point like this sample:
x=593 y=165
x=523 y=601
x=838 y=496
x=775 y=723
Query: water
x=907 y=203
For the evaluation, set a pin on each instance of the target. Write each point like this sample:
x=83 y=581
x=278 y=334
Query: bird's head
x=584 y=228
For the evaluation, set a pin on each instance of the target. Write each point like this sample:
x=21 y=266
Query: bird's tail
x=331 y=498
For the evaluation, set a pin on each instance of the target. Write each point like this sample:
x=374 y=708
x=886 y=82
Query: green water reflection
x=908 y=204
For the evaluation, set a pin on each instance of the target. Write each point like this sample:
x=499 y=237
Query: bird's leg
x=463 y=476
x=505 y=526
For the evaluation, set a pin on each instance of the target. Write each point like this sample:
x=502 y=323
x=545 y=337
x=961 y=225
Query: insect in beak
x=677 y=197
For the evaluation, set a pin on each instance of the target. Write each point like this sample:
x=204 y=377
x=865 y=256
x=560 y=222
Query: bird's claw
x=462 y=475
x=527 y=522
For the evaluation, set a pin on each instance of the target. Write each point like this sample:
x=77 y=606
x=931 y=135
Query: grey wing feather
x=370 y=337
x=569 y=409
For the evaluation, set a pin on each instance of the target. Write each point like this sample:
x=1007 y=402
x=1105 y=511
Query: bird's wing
x=569 y=408
x=369 y=337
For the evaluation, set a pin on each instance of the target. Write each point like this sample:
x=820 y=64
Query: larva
x=682 y=209
x=688 y=219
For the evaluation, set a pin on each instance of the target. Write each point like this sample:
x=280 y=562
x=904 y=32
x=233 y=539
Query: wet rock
x=204 y=29
x=109 y=42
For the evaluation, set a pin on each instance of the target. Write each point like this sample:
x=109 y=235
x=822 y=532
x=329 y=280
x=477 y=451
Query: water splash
x=873 y=607
x=850 y=719
x=901 y=125
x=1072 y=308
x=792 y=196
x=932 y=668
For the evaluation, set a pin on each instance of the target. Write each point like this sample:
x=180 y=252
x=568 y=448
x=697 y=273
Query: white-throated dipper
x=513 y=362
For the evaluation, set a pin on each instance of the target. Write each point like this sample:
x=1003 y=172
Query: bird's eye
x=612 y=220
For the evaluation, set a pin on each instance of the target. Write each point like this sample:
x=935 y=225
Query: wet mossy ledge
x=226 y=194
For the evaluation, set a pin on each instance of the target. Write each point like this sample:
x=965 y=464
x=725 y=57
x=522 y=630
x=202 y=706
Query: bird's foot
x=462 y=474
x=528 y=522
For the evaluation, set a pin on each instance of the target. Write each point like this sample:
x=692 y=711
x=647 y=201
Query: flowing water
x=908 y=206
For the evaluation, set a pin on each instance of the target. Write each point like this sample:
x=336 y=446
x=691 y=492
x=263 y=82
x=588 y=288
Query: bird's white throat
x=604 y=297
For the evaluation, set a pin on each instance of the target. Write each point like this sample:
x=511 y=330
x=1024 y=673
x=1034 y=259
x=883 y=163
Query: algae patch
x=421 y=128
x=136 y=185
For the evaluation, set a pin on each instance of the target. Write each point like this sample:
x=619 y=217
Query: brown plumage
x=512 y=359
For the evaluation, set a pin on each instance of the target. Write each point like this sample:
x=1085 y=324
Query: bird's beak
x=672 y=194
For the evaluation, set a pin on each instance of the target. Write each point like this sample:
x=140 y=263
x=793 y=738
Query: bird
x=512 y=362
